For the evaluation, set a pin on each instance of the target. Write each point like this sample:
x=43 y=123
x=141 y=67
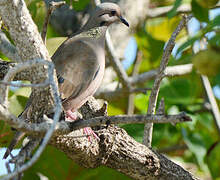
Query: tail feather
x=17 y=137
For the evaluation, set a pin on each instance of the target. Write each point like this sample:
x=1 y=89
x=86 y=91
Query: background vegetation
x=195 y=145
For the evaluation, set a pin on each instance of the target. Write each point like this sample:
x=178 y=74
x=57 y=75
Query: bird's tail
x=17 y=137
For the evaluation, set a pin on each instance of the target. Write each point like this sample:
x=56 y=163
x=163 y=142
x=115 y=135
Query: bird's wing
x=76 y=65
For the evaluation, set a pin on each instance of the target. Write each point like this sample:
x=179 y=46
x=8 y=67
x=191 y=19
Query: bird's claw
x=89 y=132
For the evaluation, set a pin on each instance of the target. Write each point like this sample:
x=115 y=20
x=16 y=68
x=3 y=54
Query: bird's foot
x=87 y=130
x=71 y=115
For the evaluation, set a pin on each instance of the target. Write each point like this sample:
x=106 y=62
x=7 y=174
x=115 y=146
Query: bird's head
x=105 y=14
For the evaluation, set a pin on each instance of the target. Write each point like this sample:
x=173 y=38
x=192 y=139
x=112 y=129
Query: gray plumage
x=80 y=60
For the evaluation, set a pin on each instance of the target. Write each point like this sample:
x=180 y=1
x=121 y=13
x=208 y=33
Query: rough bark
x=121 y=152
x=29 y=45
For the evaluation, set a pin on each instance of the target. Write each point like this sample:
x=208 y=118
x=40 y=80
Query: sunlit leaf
x=54 y=43
x=141 y=102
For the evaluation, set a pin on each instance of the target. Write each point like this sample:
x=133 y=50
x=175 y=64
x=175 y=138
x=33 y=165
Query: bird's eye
x=102 y=23
x=113 y=13
x=60 y=79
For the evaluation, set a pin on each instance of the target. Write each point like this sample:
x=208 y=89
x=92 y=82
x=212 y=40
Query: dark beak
x=123 y=21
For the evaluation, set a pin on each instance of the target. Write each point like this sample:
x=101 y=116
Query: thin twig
x=177 y=70
x=71 y=4
x=57 y=110
x=25 y=153
x=52 y=6
x=116 y=63
x=64 y=127
x=161 y=74
x=130 y=119
x=211 y=98
x=13 y=71
x=46 y=83
x=112 y=94
x=208 y=89
x=131 y=96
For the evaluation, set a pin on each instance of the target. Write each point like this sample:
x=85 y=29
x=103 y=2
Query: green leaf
x=173 y=11
x=79 y=5
x=178 y=91
x=135 y=130
x=215 y=41
x=113 y=110
x=141 y=102
x=213 y=159
x=37 y=9
x=152 y=49
x=5 y=134
x=195 y=143
x=202 y=14
x=213 y=23
x=189 y=42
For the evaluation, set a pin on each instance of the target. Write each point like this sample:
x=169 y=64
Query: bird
x=80 y=60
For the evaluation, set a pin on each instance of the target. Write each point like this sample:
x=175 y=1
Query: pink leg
x=71 y=115
x=87 y=130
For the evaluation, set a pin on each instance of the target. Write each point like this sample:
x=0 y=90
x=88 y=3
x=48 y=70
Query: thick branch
x=119 y=151
x=29 y=45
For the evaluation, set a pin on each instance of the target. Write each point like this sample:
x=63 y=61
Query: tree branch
x=117 y=150
x=161 y=74
x=13 y=71
x=64 y=127
x=8 y=49
x=212 y=101
x=29 y=45
x=52 y=6
x=112 y=91
x=49 y=132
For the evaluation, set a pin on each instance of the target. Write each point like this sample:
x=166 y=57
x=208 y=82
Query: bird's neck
x=96 y=32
